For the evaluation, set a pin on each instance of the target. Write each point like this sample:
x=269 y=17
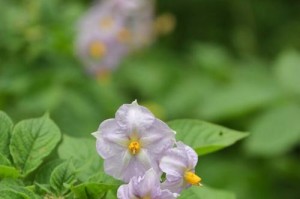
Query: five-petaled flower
x=133 y=142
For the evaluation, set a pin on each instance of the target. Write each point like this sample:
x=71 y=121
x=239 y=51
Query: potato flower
x=132 y=142
x=179 y=165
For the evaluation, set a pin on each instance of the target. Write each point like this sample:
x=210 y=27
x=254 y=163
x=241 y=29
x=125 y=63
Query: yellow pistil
x=124 y=35
x=192 y=178
x=106 y=23
x=134 y=147
x=97 y=49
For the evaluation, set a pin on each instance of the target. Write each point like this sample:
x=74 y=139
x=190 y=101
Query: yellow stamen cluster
x=134 y=147
x=192 y=178
x=97 y=49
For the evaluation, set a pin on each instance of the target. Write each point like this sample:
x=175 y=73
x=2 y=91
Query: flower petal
x=167 y=194
x=134 y=117
x=158 y=137
x=149 y=184
x=110 y=139
x=173 y=162
x=125 y=192
x=175 y=186
x=191 y=155
x=117 y=165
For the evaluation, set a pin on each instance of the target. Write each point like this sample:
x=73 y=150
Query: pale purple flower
x=147 y=186
x=111 y=29
x=132 y=142
x=179 y=165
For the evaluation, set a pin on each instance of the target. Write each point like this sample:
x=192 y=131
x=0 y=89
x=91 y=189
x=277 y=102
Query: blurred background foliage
x=235 y=63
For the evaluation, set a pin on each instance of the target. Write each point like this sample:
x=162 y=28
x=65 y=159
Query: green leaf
x=204 y=137
x=205 y=193
x=4 y=160
x=93 y=190
x=102 y=177
x=32 y=141
x=11 y=194
x=236 y=99
x=8 y=172
x=10 y=191
x=6 y=126
x=287 y=70
x=86 y=160
x=62 y=177
x=44 y=172
x=275 y=132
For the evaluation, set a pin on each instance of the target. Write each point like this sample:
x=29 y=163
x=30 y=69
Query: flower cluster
x=110 y=30
x=138 y=148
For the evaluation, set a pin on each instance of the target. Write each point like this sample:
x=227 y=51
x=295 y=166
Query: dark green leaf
x=62 y=177
x=93 y=190
x=86 y=159
x=32 y=141
x=203 y=136
x=44 y=172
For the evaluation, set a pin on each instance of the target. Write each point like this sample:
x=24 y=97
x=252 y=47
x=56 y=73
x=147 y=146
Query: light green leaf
x=62 y=177
x=8 y=172
x=93 y=190
x=287 y=69
x=86 y=160
x=205 y=193
x=237 y=99
x=32 y=141
x=6 y=126
x=275 y=132
x=204 y=137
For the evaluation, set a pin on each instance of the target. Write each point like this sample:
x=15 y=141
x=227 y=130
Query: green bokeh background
x=235 y=63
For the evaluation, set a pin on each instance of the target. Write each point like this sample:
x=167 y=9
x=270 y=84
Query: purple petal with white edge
x=174 y=162
x=158 y=137
x=134 y=117
x=117 y=166
x=191 y=155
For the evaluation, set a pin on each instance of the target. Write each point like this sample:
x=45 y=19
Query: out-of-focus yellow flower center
x=97 y=49
x=134 y=147
x=192 y=178
x=165 y=24
x=107 y=23
x=124 y=35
